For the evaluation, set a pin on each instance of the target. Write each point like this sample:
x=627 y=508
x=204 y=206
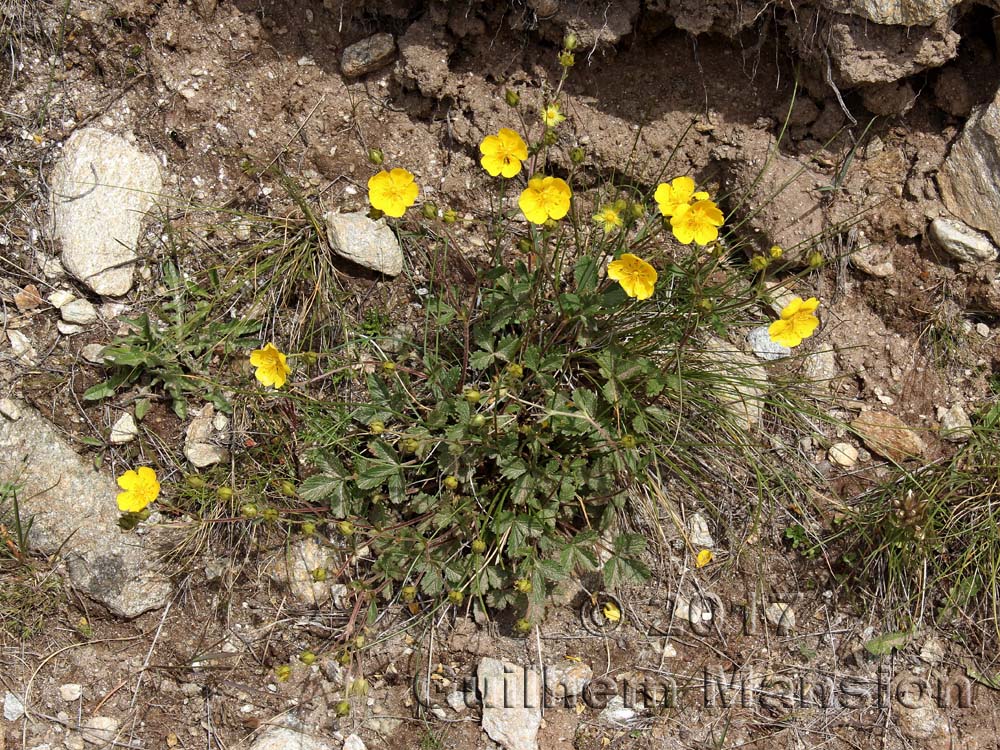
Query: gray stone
x=13 y=708
x=199 y=446
x=21 y=346
x=284 y=738
x=821 y=366
x=295 y=568
x=843 y=454
x=100 y=730
x=781 y=615
x=456 y=701
x=762 y=345
x=616 y=713
x=873 y=261
x=124 y=430
x=368 y=243
x=71 y=691
x=79 y=311
x=983 y=330
x=68 y=329
x=962 y=242
x=367 y=55
x=894 y=12
x=737 y=380
x=93 y=353
x=10 y=409
x=955 y=424
x=971 y=173
x=353 y=742
x=512 y=708
x=101 y=189
x=60 y=297
x=73 y=512
x=564 y=680
x=698 y=533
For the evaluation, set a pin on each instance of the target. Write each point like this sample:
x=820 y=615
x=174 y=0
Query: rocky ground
x=145 y=131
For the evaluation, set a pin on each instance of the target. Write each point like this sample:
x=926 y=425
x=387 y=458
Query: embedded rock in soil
x=283 y=738
x=100 y=730
x=125 y=430
x=699 y=17
x=199 y=446
x=73 y=512
x=101 y=190
x=893 y=98
x=595 y=23
x=764 y=347
x=367 y=55
x=874 y=261
x=512 y=709
x=962 y=242
x=894 y=12
x=297 y=569
x=843 y=454
x=970 y=177
x=368 y=243
x=862 y=52
x=79 y=311
x=955 y=424
x=887 y=435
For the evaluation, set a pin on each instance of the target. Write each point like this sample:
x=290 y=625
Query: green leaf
x=585 y=274
x=884 y=644
x=99 y=391
x=141 y=408
x=624 y=570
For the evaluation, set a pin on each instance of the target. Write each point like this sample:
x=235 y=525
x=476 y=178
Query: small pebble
x=71 y=691
x=983 y=330
x=843 y=454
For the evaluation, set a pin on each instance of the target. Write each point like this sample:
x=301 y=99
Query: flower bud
x=388 y=366
x=570 y=42
x=308 y=658
x=758 y=263
x=249 y=510
x=473 y=396
x=345 y=527
x=288 y=489
x=429 y=210
x=512 y=97
x=309 y=358
x=282 y=672
x=478 y=546
x=515 y=370
x=478 y=420
x=451 y=483
x=524 y=245
x=815 y=259
x=308 y=528
x=523 y=585
x=628 y=442
x=377 y=427
x=270 y=515
x=319 y=575
x=194 y=481
x=375 y=213
x=775 y=252
x=450 y=216
x=224 y=493
x=577 y=155
x=408 y=593
x=376 y=157
x=566 y=59
x=343 y=709
x=523 y=626
x=550 y=137
x=455 y=596
x=410 y=445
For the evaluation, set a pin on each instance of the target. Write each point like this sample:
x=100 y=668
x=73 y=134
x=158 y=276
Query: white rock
x=955 y=424
x=284 y=738
x=353 y=742
x=512 y=708
x=762 y=345
x=294 y=569
x=101 y=189
x=737 y=380
x=616 y=712
x=962 y=242
x=60 y=297
x=456 y=701
x=698 y=534
x=843 y=454
x=932 y=652
x=124 y=430
x=100 y=730
x=79 y=311
x=10 y=409
x=21 y=347
x=68 y=329
x=983 y=330
x=93 y=353
x=13 y=708
x=874 y=261
x=71 y=691
x=894 y=12
x=368 y=243
x=781 y=615
x=821 y=366
x=198 y=446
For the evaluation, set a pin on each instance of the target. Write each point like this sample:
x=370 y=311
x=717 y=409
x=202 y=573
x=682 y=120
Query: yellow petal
x=611 y=612
x=128 y=480
x=704 y=558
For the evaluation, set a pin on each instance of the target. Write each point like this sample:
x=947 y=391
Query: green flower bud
x=377 y=427
x=410 y=445
x=550 y=138
x=308 y=658
x=450 y=216
x=345 y=527
x=478 y=546
x=194 y=481
x=319 y=575
x=451 y=483
x=249 y=510
x=429 y=210
x=376 y=157
x=566 y=59
x=472 y=396
x=628 y=442
x=282 y=672
x=523 y=585
x=308 y=528
x=388 y=366
x=270 y=515
x=455 y=596
x=343 y=709
x=515 y=370
x=577 y=155
x=524 y=246
x=375 y=213
x=309 y=358
x=512 y=97
x=815 y=259
x=224 y=493
x=408 y=593
x=478 y=420
x=758 y=263
x=570 y=42
x=288 y=489
x=523 y=626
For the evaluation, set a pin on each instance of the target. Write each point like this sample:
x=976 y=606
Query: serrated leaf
x=884 y=644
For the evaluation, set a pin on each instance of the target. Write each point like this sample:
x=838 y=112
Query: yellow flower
x=545 y=198
x=775 y=252
x=679 y=192
x=797 y=322
x=552 y=115
x=608 y=218
x=704 y=558
x=141 y=488
x=612 y=612
x=635 y=275
x=503 y=153
x=392 y=192
x=272 y=366
x=699 y=222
